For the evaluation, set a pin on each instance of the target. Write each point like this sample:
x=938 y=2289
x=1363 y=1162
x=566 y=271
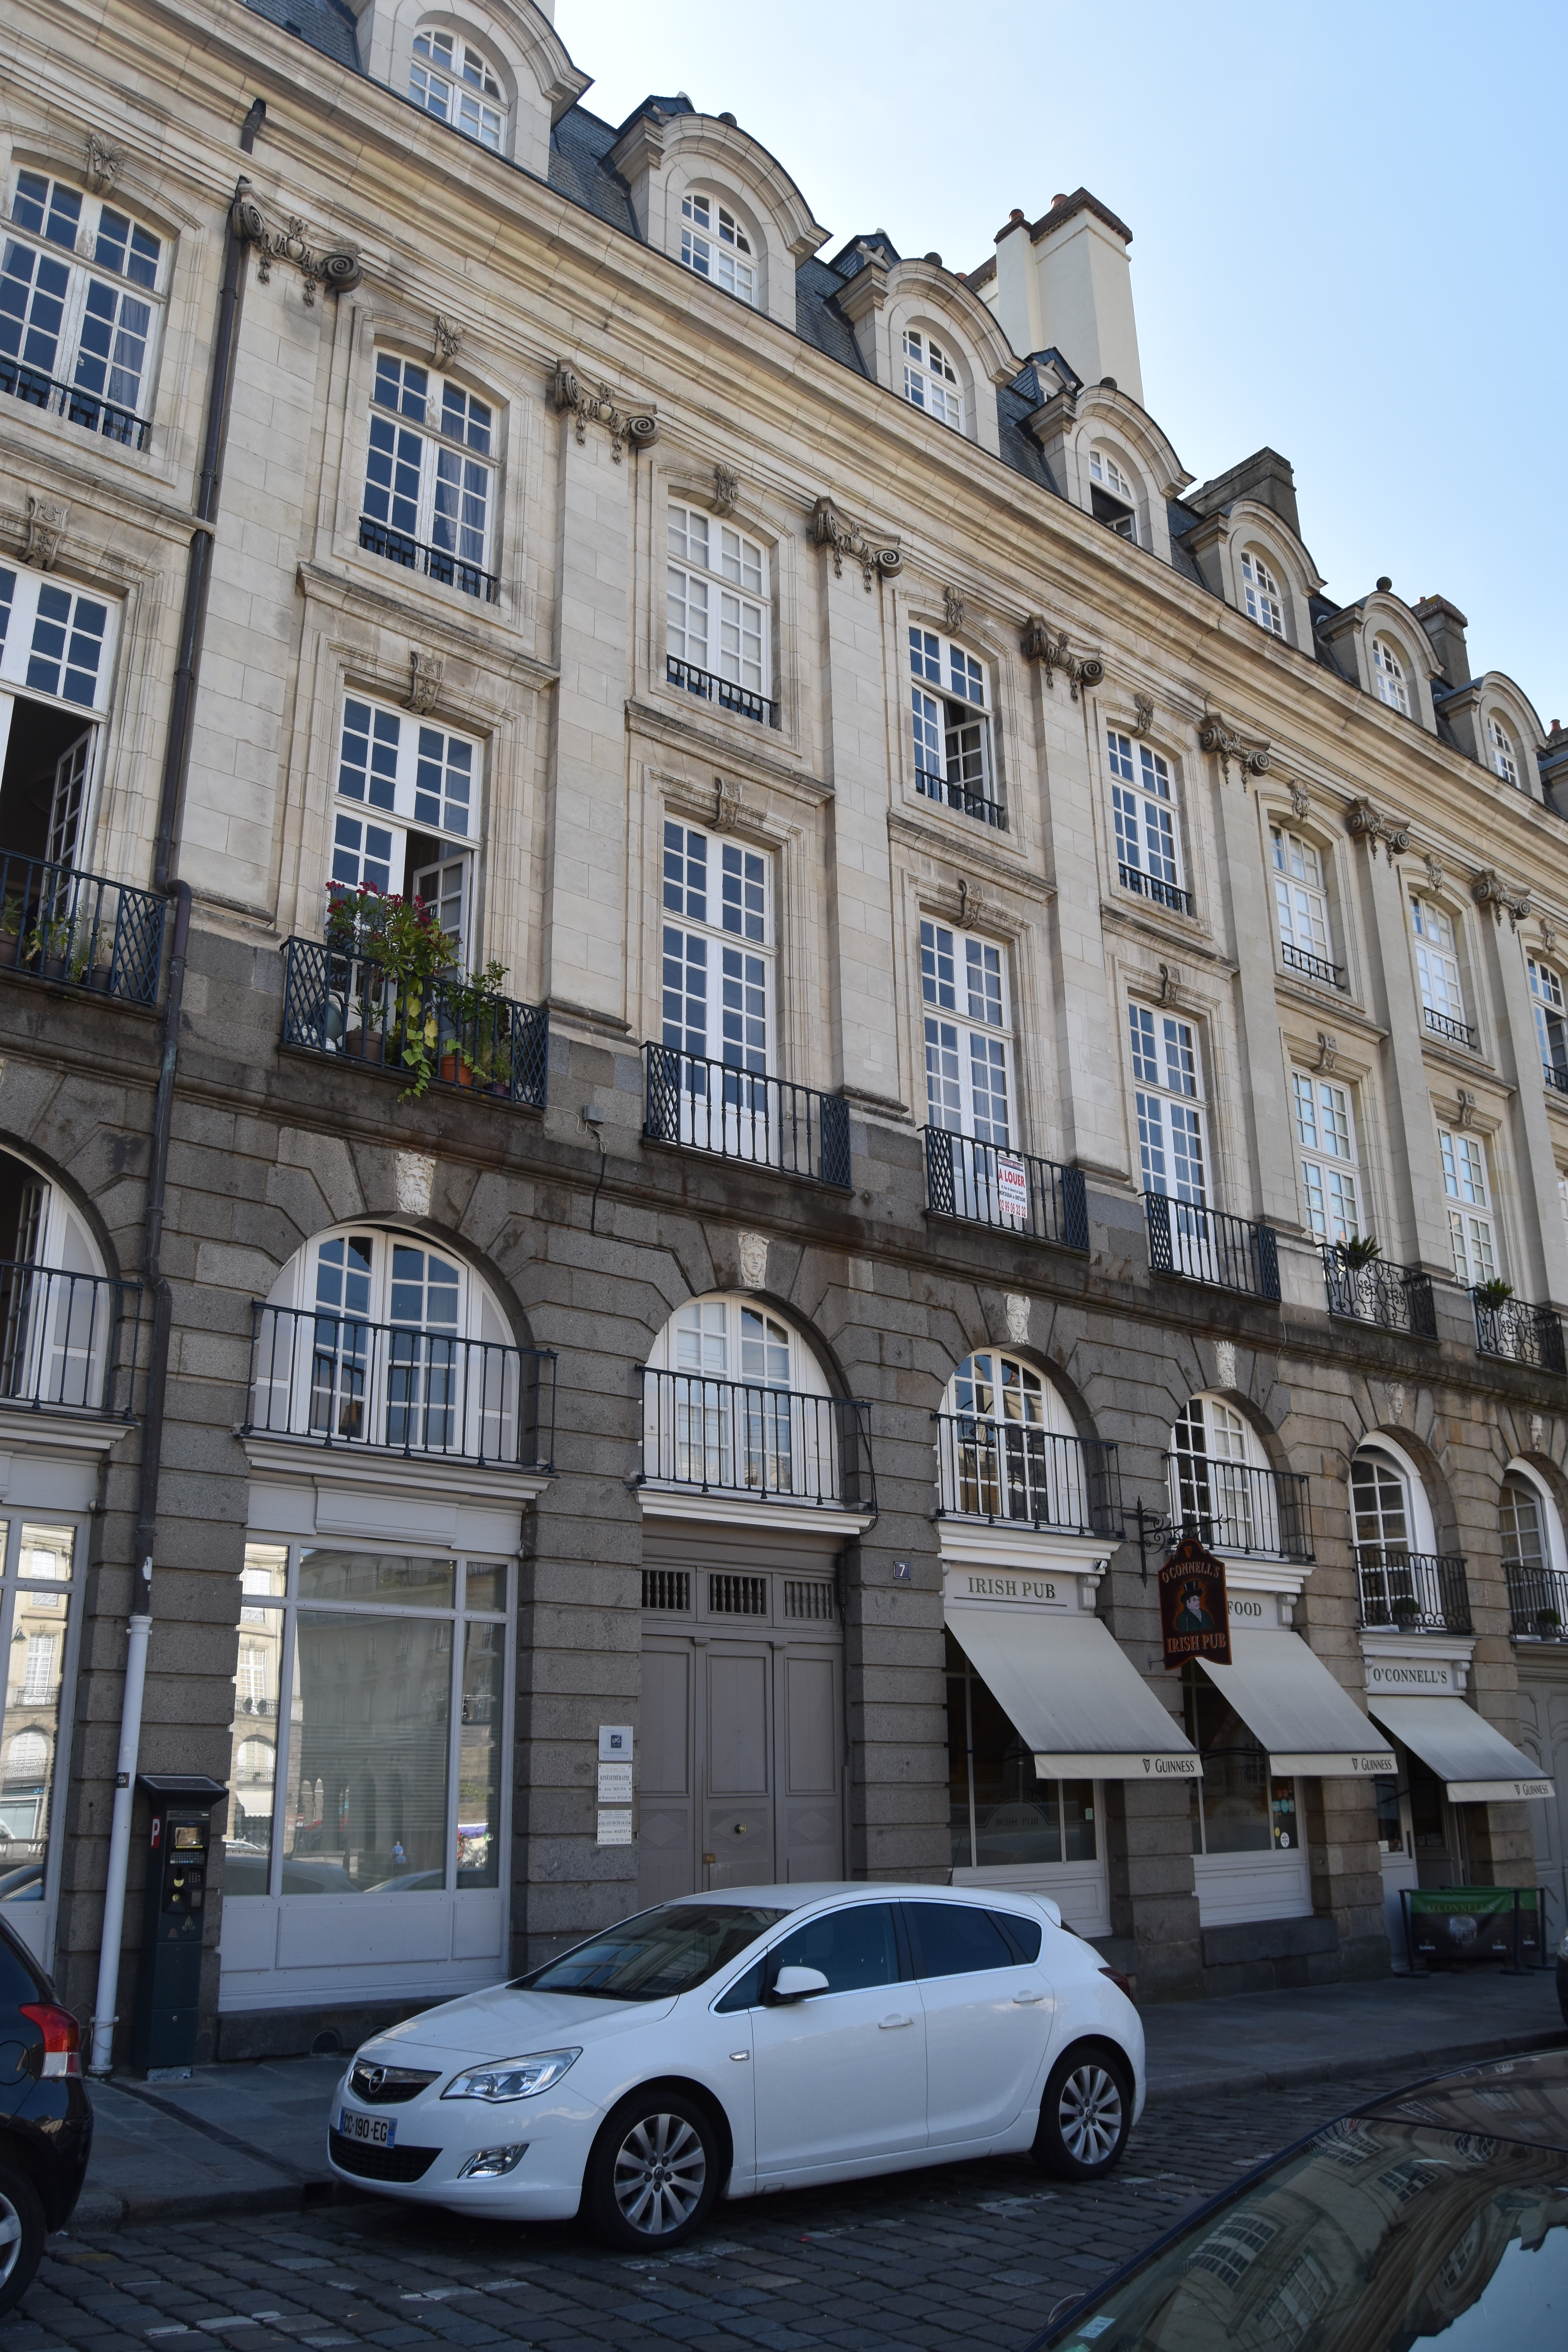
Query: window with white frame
x=950 y=702
x=1388 y=671
x=1008 y=1448
x=1505 y=756
x=1217 y=1479
x=407 y=810
x=968 y=1033
x=716 y=614
x=1471 y=1231
x=717 y=962
x=81 y=289
x=1168 y=1098
x=430 y=484
x=1261 y=593
x=456 y=83
x=1325 y=1138
x=1302 y=904
x=1546 y=997
x=1438 y=970
x=57 y=670
x=931 y=379
x=733 y=1397
x=1111 y=496
x=1148 y=838
x=715 y=245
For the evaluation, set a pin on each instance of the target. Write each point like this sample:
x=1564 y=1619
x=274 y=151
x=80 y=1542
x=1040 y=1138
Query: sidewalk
x=252 y=2138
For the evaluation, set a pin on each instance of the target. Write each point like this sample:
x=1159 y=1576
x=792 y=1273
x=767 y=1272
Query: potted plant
x=1548 y=1623
x=473 y=1002
x=1492 y=1295
x=401 y=951
x=10 y=930
x=1359 y=1251
x=1404 y=1609
x=49 y=945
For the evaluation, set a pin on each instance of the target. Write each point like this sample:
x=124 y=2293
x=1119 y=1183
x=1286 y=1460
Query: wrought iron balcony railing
x=437 y=563
x=1012 y=1472
x=1452 y=1032
x=1412 y=1592
x=1538 y=1604
x=1524 y=1334
x=1316 y=967
x=1149 y=886
x=337 y=1003
x=1398 y=1297
x=1207 y=1245
x=80 y=929
x=383 y=1388
x=1557 y=1079
x=709 y=1106
x=68 y=1342
x=963 y=797
x=709 y=687
x=87 y=409
x=743 y=1438
x=1234 y=1507
x=1011 y=1190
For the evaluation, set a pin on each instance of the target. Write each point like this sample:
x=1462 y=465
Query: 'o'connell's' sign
x=1194 y=1618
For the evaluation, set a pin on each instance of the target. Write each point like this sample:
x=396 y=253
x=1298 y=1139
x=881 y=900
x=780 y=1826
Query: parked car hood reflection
x=502 y=2023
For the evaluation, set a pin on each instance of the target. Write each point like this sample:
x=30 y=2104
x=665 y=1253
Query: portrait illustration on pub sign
x=1194 y=1621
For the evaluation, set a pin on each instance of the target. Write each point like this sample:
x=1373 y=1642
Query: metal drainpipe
x=176 y=763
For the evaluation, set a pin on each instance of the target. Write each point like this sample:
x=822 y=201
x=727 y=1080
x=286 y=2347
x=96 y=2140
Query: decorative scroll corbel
x=971 y=904
x=47 y=521
x=1464 y=1116
x=1367 y=823
x=426 y=671
x=1492 y=895
x=1053 y=654
x=726 y=495
x=599 y=408
x=1169 y=984
x=877 y=559
x=1300 y=802
x=1548 y=934
x=335 y=268
x=1252 y=759
x=1433 y=865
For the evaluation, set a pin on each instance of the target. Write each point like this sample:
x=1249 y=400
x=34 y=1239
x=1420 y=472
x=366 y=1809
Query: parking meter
x=163 y=2031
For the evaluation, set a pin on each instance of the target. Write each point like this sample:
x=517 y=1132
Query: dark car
x=45 y=2123
x=1441 y=2212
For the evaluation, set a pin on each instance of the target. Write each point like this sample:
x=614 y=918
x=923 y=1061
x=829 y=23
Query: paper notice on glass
x=615 y=1784
x=615 y=1827
x=1011 y=1187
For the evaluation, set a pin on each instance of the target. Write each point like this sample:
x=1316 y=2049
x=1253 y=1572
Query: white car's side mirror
x=793 y=1984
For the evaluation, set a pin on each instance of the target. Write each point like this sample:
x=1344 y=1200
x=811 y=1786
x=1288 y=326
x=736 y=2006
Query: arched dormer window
x=1262 y=594
x=1504 y=750
x=1112 y=497
x=715 y=245
x=735 y=1402
x=1007 y=1449
x=1388 y=670
x=931 y=379
x=455 y=81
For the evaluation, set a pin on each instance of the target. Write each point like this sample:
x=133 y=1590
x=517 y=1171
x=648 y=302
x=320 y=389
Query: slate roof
x=324 y=25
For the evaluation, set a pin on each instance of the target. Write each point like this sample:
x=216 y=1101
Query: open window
x=955 y=761
x=59 y=1316
x=1112 y=499
x=407 y=812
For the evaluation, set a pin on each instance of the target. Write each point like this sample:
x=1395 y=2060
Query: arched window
x=455 y=82
x=714 y=244
x=1112 y=499
x=26 y=1759
x=1301 y=903
x=1148 y=836
x=931 y=380
x=1403 y=1582
x=1222 y=1488
x=735 y=1401
x=1550 y=1021
x=59 y=1315
x=1505 y=757
x=1261 y=591
x=1532 y=1557
x=950 y=700
x=1389 y=672
x=1007 y=1449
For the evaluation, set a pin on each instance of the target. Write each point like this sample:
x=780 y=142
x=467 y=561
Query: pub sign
x=1194 y=1621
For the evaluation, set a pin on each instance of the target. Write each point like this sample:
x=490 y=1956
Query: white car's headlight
x=512 y=2078
x=1563 y=1949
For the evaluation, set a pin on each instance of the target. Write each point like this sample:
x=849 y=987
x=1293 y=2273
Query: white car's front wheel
x=655 y=2170
x=1086 y=2113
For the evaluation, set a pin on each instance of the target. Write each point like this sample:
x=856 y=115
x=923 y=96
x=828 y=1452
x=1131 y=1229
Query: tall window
x=1210 y=1487
x=716 y=614
x=1505 y=757
x=951 y=707
x=39 y=1562
x=1302 y=902
x=1002 y=1815
x=429 y=485
x=1388 y=671
x=56 y=669
x=733 y=1397
x=968 y=1033
x=1536 y=1594
x=407 y=810
x=1147 y=845
x=714 y=245
x=1470 y=1229
x=1438 y=970
x=1380 y=1503
x=931 y=379
x=1238 y=1806
x=1169 y=1106
x=457 y=84
x=1111 y=496
x=1261 y=592
x=717 y=949
x=1550 y=1021
x=1325 y=1134
x=80 y=309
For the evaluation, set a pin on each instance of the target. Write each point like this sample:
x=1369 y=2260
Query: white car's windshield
x=656 y=1954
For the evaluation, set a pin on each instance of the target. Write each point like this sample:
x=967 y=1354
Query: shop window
x=1002 y=1814
x=39 y=1563
x=1238 y=1806
x=955 y=761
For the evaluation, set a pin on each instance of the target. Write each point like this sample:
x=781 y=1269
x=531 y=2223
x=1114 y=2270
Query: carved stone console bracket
x=1252 y=759
x=879 y=559
x=447 y=341
x=1367 y=823
x=953 y=609
x=1053 y=654
x=729 y=805
x=336 y=268
x=1142 y=715
x=47 y=522
x=104 y=165
x=726 y=495
x=426 y=671
x=600 y=408
x=1491 y=893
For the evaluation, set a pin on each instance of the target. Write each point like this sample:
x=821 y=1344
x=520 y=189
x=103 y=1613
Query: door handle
x=1022 y=1999
x=888 y=2023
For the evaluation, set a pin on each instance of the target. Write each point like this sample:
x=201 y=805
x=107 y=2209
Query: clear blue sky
x=1348 y=230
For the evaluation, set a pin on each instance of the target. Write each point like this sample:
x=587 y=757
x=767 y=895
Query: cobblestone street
x=972 y=2254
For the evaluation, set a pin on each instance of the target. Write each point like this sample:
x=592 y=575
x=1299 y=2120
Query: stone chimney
x=1063 y=282
x=1266 y=476
x=1445 y=625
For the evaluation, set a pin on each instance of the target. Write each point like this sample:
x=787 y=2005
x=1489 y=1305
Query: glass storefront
x=1002 y=1815
x=368 y=1722
x=38 y=1561
x=1238 y=1806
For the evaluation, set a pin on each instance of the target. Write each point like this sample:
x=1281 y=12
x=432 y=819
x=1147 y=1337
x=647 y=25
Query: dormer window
x=714 y=245
x=1505 y=759
x=456 y=83
x=1261 y=592
x=931 y=380
x=1389 y=672
x=1111 y=495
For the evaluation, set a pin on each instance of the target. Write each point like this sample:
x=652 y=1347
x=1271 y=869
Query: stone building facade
x=985 y=943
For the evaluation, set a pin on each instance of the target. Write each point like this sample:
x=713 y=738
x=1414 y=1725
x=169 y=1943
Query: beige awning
x=1072 y=1696
x=1476 y=1763
x=1293 y=1706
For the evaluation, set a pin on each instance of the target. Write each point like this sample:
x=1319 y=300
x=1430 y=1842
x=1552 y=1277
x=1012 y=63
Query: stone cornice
x=678 y=732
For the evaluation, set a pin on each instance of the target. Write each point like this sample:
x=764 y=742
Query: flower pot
x=56 y=967
x=101 y=977
x=10 y=947
x=456 y=1071
x=365 y=1044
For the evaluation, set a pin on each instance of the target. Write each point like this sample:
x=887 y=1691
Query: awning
x=1072 y=1696
x=1294 y=1708
x=1478 y=1764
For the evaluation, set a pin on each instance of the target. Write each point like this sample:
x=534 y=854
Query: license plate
x=370 y=2131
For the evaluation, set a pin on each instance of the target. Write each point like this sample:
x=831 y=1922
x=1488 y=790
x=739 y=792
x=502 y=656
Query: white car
x=772 y=2037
